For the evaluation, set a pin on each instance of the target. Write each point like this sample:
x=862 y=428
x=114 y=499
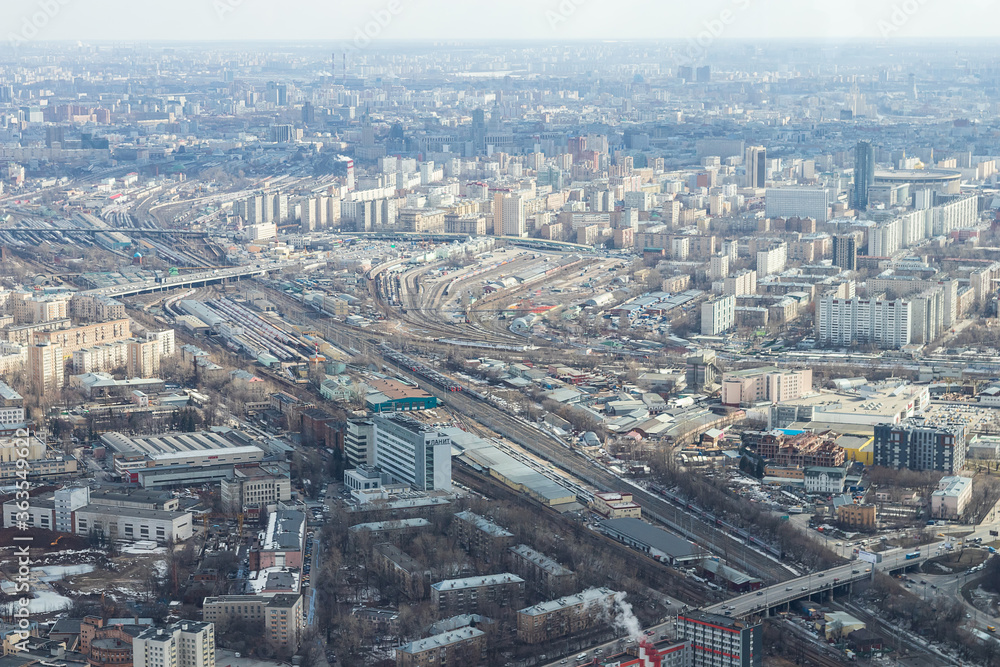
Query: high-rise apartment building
x=183 y=644
x=918 y=444
x=845 y=252
x=756 y=166
x=850 y=322
x=864 y=174
x=143 y=358
x=772 y=260
x=718 y=315
x=46 y=368
x=797 y=203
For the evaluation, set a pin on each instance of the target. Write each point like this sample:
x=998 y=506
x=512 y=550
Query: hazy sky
x=495 y=19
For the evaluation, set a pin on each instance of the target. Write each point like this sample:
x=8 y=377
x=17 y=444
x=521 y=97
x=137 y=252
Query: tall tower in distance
x=845 y=252
x=756 y=164
x=864 y=174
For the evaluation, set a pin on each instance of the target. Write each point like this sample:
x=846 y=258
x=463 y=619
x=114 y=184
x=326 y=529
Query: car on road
x=760 y=592
x=855 y=571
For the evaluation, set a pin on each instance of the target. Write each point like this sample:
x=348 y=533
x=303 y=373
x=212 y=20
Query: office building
x=797 y=203
x=845 y=252
x=412 y=452
x=255 y=486
x=183 y=644
x=359 y=443
x=721 y=641
x=825 y=480
x=718 y=315
x=853 y=322
x=951 y=498
x=918 y=444
x=756 y=166
x=864 y=174
x=862 y=516
x=770 y=384
x=280 y=613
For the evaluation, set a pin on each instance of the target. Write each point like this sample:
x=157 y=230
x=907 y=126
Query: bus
x=915 y=554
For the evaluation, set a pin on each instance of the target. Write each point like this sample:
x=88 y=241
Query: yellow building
x=858 y=448
x=857 y=516
x=616 y=506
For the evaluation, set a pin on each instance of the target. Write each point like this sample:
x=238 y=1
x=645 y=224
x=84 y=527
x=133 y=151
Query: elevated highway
x=198 y=279
x=759 y=602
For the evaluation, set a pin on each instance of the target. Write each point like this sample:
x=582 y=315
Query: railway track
x=544 y=446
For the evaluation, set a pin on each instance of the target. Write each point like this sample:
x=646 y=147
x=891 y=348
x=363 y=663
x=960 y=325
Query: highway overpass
x=199 y=279
x=128 y=231
x=759 y=602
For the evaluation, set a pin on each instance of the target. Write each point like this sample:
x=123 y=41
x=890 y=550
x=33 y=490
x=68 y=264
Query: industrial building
x=74 y=510
x=203 y=448
x=655 y=542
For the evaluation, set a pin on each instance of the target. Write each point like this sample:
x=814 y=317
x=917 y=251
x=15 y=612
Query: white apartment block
x=718 y=267
x=718 y=315
x=167 y=340
x=184 y=644
x=851 y=322
x=100 y=358
x=772 y=260
x=744 y=282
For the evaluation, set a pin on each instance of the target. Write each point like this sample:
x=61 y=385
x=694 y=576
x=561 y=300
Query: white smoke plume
x=614 y=610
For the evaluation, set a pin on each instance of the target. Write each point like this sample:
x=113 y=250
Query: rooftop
x=586 y=597
x=653 y=537
x=476 y=582
x=541 y=561
x=483 y=524
x=440 y=641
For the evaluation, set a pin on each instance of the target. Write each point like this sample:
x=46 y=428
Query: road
x=203 y=277
x=773 y=596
